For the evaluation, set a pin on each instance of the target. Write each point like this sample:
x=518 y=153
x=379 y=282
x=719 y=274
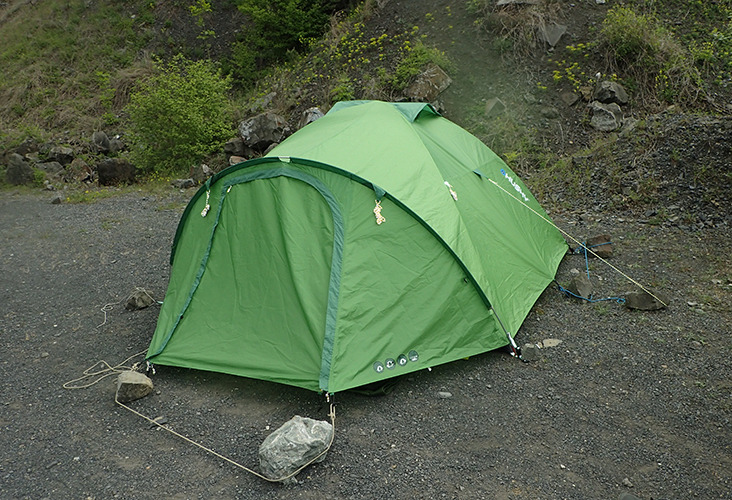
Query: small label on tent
x=391 y=363
x=514 y=184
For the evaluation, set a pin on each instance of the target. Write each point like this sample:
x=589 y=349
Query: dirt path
x=627 y=398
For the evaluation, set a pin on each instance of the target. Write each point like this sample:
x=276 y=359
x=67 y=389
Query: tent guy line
x=581 y=244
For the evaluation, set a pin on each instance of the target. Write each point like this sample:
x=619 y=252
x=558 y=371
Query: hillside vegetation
x=75 y=67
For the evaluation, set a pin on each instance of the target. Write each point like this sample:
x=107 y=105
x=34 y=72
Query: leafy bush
x=179 y=115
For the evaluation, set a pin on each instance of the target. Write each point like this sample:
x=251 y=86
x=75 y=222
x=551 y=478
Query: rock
x=78 y=171
x=54 y=170
x=550 y=343
x=28 y=146
x=114 y=171
x=132 y=385
x=19 y=172
x=551 y=33
x=182 y=183
x=293 y=445
x=57 y=200
x=530 y=352
x=115 y=145
x=444 y=395
x=139 y=299
x=234 y=147
x=200 y=173
x=494 y=106
x=270 y=148
x=262 y=130
x=580 y=286
x=62 y=154
x=100 y=142
x=626 y=482
x=428 y=84
x=569 y=98
x=644 y=301
x=608 y=92
x=309 y=116
x=601 y=245
x=605 y=117
x=549 y=112
x=233 y=160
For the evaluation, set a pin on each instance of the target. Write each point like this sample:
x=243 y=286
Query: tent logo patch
x=515 y=185
x=391 y=363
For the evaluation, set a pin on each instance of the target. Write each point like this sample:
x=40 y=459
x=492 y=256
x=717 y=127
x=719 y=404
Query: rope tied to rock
x=98 y=374
x=331 y=414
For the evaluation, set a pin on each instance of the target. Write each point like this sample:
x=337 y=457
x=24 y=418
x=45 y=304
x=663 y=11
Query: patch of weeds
x=90 y=195
x=514 y=29
x=638 y=46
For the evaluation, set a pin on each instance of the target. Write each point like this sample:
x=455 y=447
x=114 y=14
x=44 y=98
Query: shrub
x=179 y=115
x=644 y=52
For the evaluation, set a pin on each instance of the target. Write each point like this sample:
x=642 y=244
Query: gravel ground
x=629 y=401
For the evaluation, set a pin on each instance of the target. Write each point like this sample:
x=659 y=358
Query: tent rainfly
x=378 y=240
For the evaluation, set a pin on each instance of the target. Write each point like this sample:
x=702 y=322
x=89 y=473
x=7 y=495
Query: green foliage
x=648 y=54
x=278 y=28
x=179 y=115
x=415 y=56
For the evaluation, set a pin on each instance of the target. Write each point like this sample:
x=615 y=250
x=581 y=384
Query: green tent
x=378 y=240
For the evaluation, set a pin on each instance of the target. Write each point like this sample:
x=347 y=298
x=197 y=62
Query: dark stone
x=608 y=92
x=644 y=301
x=28 y=146
x=62 y=154
x=309 y=116
x=113 y=171
x=19 y=172
x=78 y=171
x=601 y=245
x=183 y=183
x=54 y=170
x=234 y=147
x=605 y=117
x=100 y=141
x=581 y=286
x=200 y=173
x=262 y=130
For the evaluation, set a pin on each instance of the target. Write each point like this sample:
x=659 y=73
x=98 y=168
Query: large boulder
x=260 y=131
x=293 y=445
x=113 y=171
x=19 y=171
